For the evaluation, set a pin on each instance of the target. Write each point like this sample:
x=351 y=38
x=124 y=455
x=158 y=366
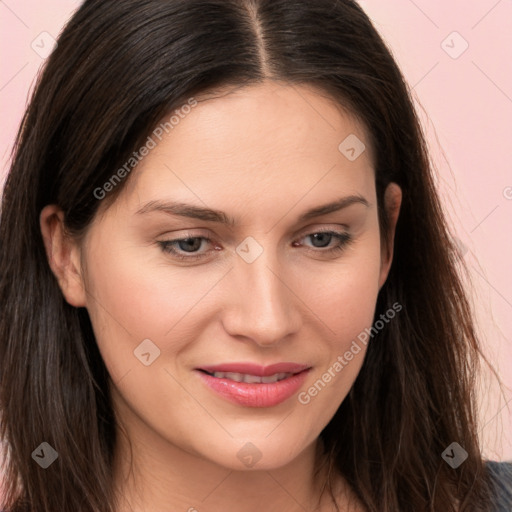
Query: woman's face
x=268 y=289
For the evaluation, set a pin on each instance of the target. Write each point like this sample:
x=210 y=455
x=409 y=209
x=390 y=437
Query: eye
x=185 y=248
x=324 y=239
x=188 y=248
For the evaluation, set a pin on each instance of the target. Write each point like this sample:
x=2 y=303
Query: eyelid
x=309 y=230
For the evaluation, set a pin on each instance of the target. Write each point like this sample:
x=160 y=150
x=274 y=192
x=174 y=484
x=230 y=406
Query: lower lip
x=255 y=395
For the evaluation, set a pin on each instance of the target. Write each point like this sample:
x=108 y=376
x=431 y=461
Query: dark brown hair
x=119 y=67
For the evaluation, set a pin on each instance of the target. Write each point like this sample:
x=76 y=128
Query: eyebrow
x=210 y=215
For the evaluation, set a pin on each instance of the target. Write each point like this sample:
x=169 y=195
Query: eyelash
x=344 y=239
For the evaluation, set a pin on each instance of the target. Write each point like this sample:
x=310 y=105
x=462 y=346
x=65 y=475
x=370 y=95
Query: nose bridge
x=264 y=309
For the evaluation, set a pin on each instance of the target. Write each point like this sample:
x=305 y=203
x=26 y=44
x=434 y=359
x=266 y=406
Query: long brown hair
x=119 y=67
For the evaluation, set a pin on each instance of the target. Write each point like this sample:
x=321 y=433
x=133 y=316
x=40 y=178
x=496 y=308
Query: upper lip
x=255 y=369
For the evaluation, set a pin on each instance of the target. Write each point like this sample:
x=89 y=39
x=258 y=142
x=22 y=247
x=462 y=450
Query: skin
x=263 y=154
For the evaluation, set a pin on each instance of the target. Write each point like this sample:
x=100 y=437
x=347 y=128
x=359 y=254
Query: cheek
x=131 y=300
x=346 y=299
x=344 y=294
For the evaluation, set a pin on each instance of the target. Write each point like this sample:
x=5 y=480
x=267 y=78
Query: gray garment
x=501 y=473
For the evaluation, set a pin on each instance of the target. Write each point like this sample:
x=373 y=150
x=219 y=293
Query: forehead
x=255 y=142
x=272 y=118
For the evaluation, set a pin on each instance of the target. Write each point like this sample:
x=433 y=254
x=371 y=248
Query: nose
x=262 y=307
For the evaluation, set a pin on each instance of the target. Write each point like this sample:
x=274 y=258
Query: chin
x=259 y=454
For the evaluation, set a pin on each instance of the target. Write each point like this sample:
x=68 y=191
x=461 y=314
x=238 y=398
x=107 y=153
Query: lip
x=257 y=394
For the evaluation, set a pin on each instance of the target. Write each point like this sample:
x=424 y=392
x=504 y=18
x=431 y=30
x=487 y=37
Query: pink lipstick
x=252 y=385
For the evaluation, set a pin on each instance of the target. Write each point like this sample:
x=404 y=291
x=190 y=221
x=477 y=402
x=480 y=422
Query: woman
x=227 y=281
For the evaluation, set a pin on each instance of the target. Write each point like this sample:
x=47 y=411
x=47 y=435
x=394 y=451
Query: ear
x=63 y=255
x=392 y=203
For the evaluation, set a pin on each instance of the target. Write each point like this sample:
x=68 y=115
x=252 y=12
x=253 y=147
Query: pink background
x=468 y=98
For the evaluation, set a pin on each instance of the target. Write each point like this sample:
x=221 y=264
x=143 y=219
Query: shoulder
x=501 y=479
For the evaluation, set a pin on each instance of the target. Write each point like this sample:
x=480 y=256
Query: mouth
x=251 y=385
x=248 y=378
